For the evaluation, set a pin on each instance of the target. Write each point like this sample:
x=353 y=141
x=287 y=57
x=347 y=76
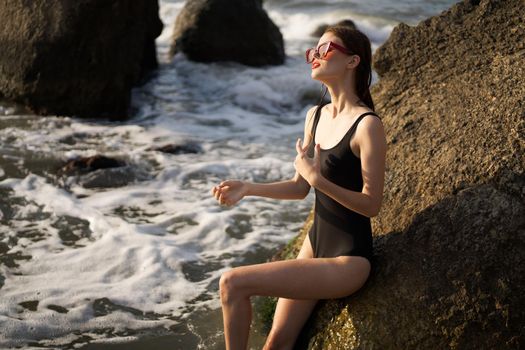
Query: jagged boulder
x=452 y=93
x=228 y=30
x=451 y=280
x=450 y=238
x=76 y=57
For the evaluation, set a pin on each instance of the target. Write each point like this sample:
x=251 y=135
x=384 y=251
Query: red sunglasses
x=323 y=50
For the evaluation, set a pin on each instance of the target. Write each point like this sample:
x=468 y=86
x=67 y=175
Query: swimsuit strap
x=350 y=131
x=316 y=118
x=354 y=126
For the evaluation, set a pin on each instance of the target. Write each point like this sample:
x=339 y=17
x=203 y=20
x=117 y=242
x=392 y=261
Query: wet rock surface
x=103 y=172
x=76 y=58
x=190 y=147
x=87 y=164
x=228 y=30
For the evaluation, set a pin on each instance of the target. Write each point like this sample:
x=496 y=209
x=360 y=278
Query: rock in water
x=450 y=237
x=76 y=57
x=228 y=30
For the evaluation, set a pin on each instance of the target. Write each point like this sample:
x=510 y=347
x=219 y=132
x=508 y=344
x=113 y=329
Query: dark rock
x=319 y=31
x=228 y=30
x=30 y=305
x=76 y=58
x=58 y=308
x=87 y=164
x=450 y=238
x=103 y=172
x=113 y=177
x=180 y=149
x=74 y=138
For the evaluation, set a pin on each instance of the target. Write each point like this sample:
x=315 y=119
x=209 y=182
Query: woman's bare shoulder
x=308 y=123
x=370 y=125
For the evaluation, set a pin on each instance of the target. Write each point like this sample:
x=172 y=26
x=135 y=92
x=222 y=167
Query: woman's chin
x=315 y=76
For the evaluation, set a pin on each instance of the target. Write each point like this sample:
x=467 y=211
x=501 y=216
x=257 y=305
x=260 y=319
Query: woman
x=343 y=159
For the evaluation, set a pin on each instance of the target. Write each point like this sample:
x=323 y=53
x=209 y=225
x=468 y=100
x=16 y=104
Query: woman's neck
x=343 y=99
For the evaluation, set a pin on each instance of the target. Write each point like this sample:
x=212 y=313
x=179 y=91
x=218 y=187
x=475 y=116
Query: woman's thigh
x=319 y=278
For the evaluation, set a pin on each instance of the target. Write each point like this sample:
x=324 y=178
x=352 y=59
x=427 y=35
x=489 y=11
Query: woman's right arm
x=231 y=191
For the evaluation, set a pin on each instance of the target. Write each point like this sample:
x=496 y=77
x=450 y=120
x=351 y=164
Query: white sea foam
x=297 y=28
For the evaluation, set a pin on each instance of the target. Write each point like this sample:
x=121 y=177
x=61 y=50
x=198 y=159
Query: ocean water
x=137 y=266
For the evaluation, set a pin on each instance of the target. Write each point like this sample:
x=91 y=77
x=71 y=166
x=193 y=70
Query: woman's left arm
x=372 y=151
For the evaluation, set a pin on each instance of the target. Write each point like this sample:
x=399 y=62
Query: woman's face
x=334 y=64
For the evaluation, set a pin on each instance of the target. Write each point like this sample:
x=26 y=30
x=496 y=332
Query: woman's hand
x=229 y=192
x=308 y=168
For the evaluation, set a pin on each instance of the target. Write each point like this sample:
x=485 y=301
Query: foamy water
x=82 y=263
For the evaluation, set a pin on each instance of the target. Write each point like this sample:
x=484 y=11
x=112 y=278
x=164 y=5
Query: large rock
x=452 y=93
x=228 y=30
x=452 y=279
x=76 y=57
x=450 y=237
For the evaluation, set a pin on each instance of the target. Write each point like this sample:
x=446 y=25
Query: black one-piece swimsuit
x=337 y=230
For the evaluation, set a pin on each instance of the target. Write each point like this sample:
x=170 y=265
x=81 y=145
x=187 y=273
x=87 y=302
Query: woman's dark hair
x=359 y=44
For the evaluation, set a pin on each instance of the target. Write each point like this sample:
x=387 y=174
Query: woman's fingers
x=298 y=147
x=317 y=150
x=226 y=191
x=217 y=192
x=220 y=194
x=224 y=183
x=305 y=147
x=223 y=199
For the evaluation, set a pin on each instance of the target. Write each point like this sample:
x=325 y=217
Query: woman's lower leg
x=237 y=318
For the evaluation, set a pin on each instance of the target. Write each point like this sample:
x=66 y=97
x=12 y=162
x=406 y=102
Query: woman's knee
x=230 y=286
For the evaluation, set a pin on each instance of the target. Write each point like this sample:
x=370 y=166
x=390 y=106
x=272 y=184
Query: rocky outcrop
x=452 y=93
x=101 y=171
x=450 y=237
x=228 y=30
x=189 y=147
x=450 y=280
x=76 y=58
x=87 y=164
